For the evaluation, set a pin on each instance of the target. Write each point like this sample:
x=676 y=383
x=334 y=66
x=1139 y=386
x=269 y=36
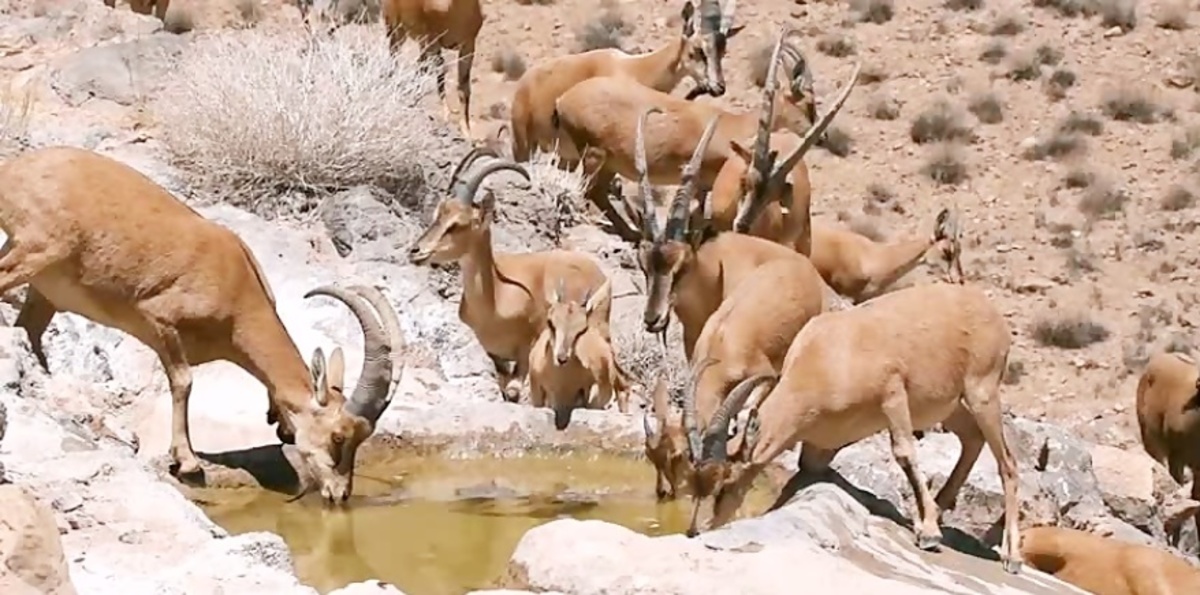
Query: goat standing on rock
x=1168 y=413
x=94 y=237
x=903 y=361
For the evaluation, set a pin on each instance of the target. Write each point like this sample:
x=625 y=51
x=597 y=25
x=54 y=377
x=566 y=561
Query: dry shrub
x=1185 y=144
x=1118 y=13
x=510 y=63
x=882 y=107
x=1074 y=331
x=1130 y=103
x=607 y=31
x=15 y=107
x=836 y=45
x=880 y=196
x=1056 y=86
x=1014 y=372
x=994 y=52
x=945 y=164
x=1048 y=55
x=643 y=356
x=1178 y=198
x=963 y=4
x=557 y=188
x=1078 y=177
x=1058 y=145
x=1102 y=201
x=837 y=141
x=1077 y=121
x=1070 y=8
x=871 y=73
x=939 y=122
x=1009 y=23
x=249 y=11
x=1024 y=66
x=987 y=107
x=873 y=11
x=252 y=116
x=1172 y=14
x=179 y=19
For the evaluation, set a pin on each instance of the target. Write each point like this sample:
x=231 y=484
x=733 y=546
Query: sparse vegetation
x=883 y=107
x=1078 y=177
x=1118 y=13
x=1009 y=23
x=964 y=4
x=249 y=11
x=871 y=73
x=1102 y=200
x=1187 y=143
x=608 y=30
x=873 y=11
x=223 y=124
x=837 y=141
x=1068 y=331
x=1129 y=103
x=1178 y=198
x=1048 y=55
x=15 y=107
x=1058 y=145
x=179 y=19
x=1024 y=66
x=1059 y=82
x=1077 y=121
x=1070 y=8
x=1172 y=14
x=836 y=45
x=1014 y=372
x=945 y=164
x=987 y=107
x=509 y=63
x=994 y=52
x=939 y=122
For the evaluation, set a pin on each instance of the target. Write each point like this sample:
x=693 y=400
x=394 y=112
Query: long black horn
x=678 y=218
x=767 y=111
x=371 y=395
x=455 y=186
x=690 y=424
x=818 y=128
x=391 y=324
x=471 y=186
x=716 y=436
x=649 y=218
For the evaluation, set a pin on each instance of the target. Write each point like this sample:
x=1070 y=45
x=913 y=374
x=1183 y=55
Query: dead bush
x=1130 y=103
x=963 y=4
x=1077 y=121
x=994 y=52
x=1057 y=84
x=509 y=63
x=1014 y=372
x=1024 y=66
x=837 y=141
x=179 y=19
x=1056 y=146
x=1102 y=201
x=836 y=45
x=250 y=11
x=878 y=197
x=873 y=11
x=871 y=73
x=1118 y=13
x=1048 y=55
x=883 y=107
x=1178 y=198
x=939 y=122
x=261 y=118
x=946 y=165
x=15 y=107
x=1184 y=145
x=1078 y=177
x=607 y=31
x=987 y=107
x=643 y=356
x=1009 y=23
x=1172 y=14
x=1070 y=8
x=1068 y=331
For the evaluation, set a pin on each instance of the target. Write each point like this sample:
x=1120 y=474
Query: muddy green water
x=436 y=526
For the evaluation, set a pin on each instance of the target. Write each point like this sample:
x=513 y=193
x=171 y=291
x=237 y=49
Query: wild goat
x=436 y=25
x=94 y=237
x=1168 y=413
x=696 y=53
x=605 y=138
x=145 y=6
x=1106 y=566
x=903 y=361
x=503 y=298
x=747 y=336
x=573 y=357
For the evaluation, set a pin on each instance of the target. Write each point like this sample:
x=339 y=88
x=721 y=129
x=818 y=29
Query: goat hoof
x=1012 y=565
x=929 y=543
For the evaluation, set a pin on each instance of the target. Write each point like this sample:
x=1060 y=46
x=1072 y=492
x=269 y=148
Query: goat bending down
x=903 y=361
x=94 y=237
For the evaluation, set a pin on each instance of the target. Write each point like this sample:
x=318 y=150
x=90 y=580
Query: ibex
x=94 y=237
x=1168 y=413
x=572 y=362
x=1106 y=566
x=503 y=299
x=696 y=54
x=605 y=138
x=903 y=361
x=145 y=6
x=437 y=25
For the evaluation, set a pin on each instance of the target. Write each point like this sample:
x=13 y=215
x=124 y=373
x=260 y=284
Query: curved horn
x=467 y=161
x=690 y=426
x=677 y=220
x=370 y=396
x=649 y=218
x=710 y=16
x=767 y=114
x=818 y=128
x=471 y=186
x=727 y=11
x=717 y=434
x=391 y=324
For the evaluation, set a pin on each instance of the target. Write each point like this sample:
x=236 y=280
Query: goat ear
x=689 y=25
x=335 y=375
x=601 y=295
x=485 y=205
x=317 y=368
x=744 y=153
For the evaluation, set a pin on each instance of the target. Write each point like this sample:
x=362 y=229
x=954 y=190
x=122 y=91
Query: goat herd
x=736 y=261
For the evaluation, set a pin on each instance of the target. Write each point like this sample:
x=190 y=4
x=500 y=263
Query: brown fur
x=685 y=56
x=94 y=237
x=1106 y=566
x=1168 y=397
x=903 y=361
x=437 y=25
x=747 y=336
x=504 y=295
x=574 y=356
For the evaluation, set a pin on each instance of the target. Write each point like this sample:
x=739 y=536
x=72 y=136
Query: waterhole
x=442 y=526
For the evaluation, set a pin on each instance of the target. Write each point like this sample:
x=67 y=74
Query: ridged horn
x=370 y=397
x=818 y=128
x=716 y=436
x=391 y=325
x=649 y=218
x=678 y=218
x=471 y=185
x=690 y=425
x=455 y=186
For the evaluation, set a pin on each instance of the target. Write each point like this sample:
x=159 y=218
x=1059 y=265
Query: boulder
x=121 y=72
x=29 y=543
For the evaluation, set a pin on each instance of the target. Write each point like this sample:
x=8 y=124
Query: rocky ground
x=1081 y=237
